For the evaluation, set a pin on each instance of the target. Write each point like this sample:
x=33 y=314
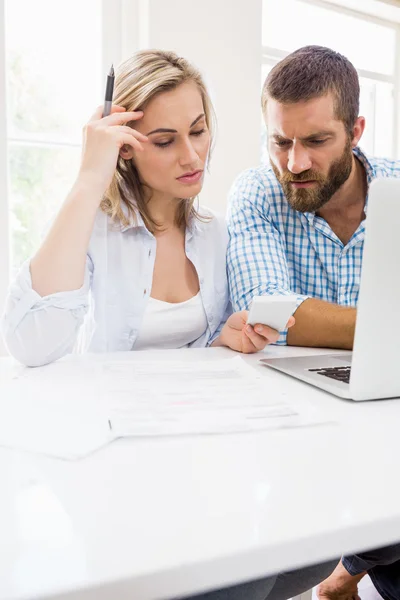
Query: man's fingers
x=257 y=341
x=267 y=332
x=247 y=345
x=291 y=322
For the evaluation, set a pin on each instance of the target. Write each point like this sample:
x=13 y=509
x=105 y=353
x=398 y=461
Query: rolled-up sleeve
x=38 y=330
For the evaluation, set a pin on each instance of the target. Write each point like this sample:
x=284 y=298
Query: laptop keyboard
x=338 y=373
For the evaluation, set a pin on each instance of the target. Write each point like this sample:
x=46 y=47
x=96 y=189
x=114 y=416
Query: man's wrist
x=219 y=340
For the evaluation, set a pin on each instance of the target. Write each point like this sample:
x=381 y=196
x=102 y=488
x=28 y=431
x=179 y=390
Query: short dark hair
x=311 y=72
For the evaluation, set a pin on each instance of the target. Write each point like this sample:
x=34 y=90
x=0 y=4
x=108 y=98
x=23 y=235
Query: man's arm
x=256 y=258
x=257 y=266
x=324 y=325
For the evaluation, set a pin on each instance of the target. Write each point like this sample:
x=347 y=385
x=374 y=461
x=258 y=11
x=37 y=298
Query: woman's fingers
x=134 y=132
x=120 y=118
x=98 y=113
x=130 y=140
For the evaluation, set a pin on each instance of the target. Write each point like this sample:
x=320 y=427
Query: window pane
x=40 y=178
x=378 y=8
x=54 y=79
x=367 y=110
x=369 y=46
x=377 y=106
x=384 y=136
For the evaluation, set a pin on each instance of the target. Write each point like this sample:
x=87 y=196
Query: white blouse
x=106 y=314
x=171 y=325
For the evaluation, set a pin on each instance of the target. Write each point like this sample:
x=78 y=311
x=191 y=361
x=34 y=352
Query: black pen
x=109 y=92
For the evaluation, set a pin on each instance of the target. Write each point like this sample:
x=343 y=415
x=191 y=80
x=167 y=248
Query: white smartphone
x=273 y=311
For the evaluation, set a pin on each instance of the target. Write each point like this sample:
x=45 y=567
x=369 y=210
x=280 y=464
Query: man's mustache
x=298 y=178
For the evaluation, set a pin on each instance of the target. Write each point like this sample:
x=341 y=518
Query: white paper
x=73 y=407
x=55 y=416
x=173 y=397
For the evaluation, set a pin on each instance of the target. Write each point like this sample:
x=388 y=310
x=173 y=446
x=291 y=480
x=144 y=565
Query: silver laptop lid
x=375 y=369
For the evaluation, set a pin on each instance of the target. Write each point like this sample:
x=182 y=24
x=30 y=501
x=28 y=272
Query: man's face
x=310 y=151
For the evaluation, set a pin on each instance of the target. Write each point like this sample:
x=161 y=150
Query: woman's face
x=174 y=158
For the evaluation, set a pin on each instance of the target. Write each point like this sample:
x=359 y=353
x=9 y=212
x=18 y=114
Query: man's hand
x=239 y=336
x=340 y=585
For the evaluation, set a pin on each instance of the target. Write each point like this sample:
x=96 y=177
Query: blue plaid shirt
x=274 y=249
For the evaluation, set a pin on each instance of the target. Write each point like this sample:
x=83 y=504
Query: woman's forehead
x=174 y=108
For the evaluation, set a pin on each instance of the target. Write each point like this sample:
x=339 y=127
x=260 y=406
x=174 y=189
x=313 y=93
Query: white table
x=155 y=518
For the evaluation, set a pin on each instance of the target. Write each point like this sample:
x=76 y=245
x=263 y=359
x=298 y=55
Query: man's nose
x=298 y=160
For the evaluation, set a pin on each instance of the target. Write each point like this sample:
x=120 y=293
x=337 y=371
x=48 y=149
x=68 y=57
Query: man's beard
x=312 y=199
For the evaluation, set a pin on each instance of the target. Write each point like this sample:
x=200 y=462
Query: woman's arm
x=40 y=330
x=49 y=299
x=59 y=264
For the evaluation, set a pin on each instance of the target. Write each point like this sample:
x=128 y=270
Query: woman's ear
x=126 y=152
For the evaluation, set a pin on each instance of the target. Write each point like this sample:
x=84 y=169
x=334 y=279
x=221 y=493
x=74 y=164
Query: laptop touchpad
x=339 y=359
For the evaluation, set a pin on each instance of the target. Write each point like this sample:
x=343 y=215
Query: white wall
x=223 y=38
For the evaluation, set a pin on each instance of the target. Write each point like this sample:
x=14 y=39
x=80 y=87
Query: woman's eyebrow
x=163 y=130
x=197 y=120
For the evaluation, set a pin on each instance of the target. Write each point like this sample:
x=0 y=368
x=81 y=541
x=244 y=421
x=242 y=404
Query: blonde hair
x=138 y=80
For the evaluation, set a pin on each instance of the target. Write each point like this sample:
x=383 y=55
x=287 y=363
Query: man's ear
x=126 y=152
x=358 y=130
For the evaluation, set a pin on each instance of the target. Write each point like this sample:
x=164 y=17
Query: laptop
x=372 y=370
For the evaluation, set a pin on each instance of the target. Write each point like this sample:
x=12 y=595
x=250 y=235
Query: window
x=54 y=58
x=53 y=84
x=370 y=40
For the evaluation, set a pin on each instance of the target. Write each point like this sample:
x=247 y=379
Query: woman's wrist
x=90 y=186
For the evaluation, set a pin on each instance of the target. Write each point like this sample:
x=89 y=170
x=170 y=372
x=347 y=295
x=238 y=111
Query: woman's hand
x=103 y=139
x=239 y=336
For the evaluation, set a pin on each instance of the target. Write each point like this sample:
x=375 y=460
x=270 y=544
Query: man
x=298 y=227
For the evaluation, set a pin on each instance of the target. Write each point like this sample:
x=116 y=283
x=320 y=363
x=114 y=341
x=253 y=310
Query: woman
x=130 y=255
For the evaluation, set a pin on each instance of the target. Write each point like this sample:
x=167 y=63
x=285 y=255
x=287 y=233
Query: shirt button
x=144 y=292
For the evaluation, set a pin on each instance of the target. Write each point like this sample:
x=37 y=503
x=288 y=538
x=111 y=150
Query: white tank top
x=171 y=325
